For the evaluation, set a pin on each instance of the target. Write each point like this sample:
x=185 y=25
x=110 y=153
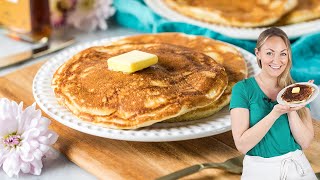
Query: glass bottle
x=26 y=19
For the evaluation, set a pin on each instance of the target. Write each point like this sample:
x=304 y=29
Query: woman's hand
x=310 y=81
x=280 y=109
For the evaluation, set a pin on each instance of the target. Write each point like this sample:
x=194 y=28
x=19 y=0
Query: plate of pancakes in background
x=184 y=96
x=243 y=19
x=305 y=93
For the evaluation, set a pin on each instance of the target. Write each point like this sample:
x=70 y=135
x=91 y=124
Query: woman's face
x=274 y=56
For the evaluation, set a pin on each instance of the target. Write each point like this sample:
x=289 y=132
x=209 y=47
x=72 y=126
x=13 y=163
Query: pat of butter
x=295 y=90
x=132 y=61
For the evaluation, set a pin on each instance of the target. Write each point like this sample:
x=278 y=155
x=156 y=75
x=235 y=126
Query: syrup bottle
x=28 y=20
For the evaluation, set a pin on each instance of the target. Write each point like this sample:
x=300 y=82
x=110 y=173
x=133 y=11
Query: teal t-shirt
x=279 y=139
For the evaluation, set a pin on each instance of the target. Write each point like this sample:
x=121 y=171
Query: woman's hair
x=285 y=78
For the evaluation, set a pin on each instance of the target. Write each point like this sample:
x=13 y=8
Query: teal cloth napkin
x=137 y=15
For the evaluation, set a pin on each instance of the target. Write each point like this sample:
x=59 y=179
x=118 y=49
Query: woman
x=270 y=134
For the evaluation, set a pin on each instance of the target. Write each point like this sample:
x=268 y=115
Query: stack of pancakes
x=296 y=98
x=249 y=13
x=192 y=79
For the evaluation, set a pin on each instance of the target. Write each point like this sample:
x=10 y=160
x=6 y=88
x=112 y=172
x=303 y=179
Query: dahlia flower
x=24 y=138
x=89 y=15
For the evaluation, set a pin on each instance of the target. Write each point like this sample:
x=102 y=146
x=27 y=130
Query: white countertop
x=62 y=168
x=56 y=169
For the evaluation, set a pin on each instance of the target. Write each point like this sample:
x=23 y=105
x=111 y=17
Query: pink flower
x=59 y=10
x=91 y=14
x=24 y=138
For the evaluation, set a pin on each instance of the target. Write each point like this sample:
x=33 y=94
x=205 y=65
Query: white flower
x=24 y=138
x=90 y=14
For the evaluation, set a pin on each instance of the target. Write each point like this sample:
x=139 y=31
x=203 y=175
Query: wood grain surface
x=114 y=159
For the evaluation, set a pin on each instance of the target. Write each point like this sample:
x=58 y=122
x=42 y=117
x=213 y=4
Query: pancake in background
x=223 y=53
x=249 y=13
x=296 y=98
x=305 y=11
x=181 y=81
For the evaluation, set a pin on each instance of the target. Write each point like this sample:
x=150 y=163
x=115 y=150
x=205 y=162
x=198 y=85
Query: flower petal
x=30 y=134
x=53 y=137
x=33 y=123
x=34 y=144
x=29 y=118
x=25 y=167
x=8 y=116
x=48 y=138
x=43 y=124
x=28 y=157
x=44 y=148
x=4 y=152
x=12 y=164
x=36 y=167
x=43 y=140
x=24 y=148
x=102 y=24
x=52 y=154
x=37 y=154
x=45 y=121
x=25 y=153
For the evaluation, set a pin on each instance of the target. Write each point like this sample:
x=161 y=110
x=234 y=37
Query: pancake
x=297 y=98
x=223 y=53
x=181 y=81
x=305 y=11
x=249 y=13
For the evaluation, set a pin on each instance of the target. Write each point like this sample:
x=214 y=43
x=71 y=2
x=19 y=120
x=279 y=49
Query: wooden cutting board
x=114 y=159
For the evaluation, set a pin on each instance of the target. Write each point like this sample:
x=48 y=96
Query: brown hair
x=285 y=78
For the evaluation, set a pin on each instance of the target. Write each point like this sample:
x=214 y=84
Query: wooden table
x=114 y=159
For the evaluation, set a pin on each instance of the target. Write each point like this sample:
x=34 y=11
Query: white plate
x=293 y=31
x=45 y=98
x=313 y=97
